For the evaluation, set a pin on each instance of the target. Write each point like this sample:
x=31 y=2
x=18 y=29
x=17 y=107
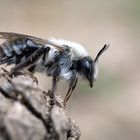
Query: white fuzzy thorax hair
x=78 y=49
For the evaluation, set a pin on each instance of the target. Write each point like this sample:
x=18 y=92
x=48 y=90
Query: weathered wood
x=29 y=113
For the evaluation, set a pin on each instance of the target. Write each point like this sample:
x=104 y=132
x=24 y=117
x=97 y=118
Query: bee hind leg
x=28 y=63
x=31 y=71
x=25 y=73
x=32 y=68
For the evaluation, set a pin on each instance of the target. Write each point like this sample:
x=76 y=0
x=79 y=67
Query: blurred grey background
x=111 y=109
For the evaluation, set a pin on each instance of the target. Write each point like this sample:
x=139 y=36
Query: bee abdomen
x=16 y=50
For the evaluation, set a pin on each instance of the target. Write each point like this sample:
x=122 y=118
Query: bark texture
x=29 y=113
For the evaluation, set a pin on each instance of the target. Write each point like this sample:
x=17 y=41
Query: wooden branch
x=29 y=113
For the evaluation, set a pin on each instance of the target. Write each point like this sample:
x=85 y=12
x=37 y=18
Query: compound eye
x=88 y=71
x=87 y=66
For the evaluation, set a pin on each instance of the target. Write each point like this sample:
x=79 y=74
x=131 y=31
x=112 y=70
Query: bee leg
x=32 y=68
x=54 y=84
x=31 y=72
x=29 y=61
x=55 y=79
x=56 y=68
x=53 y=90
x=72 y=86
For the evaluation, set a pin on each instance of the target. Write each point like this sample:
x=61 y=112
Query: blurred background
x=111 y=109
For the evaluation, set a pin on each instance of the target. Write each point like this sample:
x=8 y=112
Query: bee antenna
x=105 y=47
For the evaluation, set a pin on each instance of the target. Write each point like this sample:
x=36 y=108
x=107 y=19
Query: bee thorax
x=76 y=49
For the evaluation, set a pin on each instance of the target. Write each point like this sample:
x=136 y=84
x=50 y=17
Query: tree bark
x=29 y=113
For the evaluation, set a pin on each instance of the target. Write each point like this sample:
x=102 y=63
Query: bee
x=57 y=58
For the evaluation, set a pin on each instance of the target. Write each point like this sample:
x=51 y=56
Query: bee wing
x=18 y=47
x=13 y=36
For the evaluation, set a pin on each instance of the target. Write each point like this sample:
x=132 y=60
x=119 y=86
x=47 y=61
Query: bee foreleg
x=73 y=83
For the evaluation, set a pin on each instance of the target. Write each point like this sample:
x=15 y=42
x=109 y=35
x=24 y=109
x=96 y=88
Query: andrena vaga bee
x=59 y=59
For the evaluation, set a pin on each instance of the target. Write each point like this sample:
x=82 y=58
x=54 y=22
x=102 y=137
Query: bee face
x=85 y=67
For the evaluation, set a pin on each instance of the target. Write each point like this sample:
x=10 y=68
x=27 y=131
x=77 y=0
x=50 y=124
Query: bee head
x=89 y=68
x=85 y=67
